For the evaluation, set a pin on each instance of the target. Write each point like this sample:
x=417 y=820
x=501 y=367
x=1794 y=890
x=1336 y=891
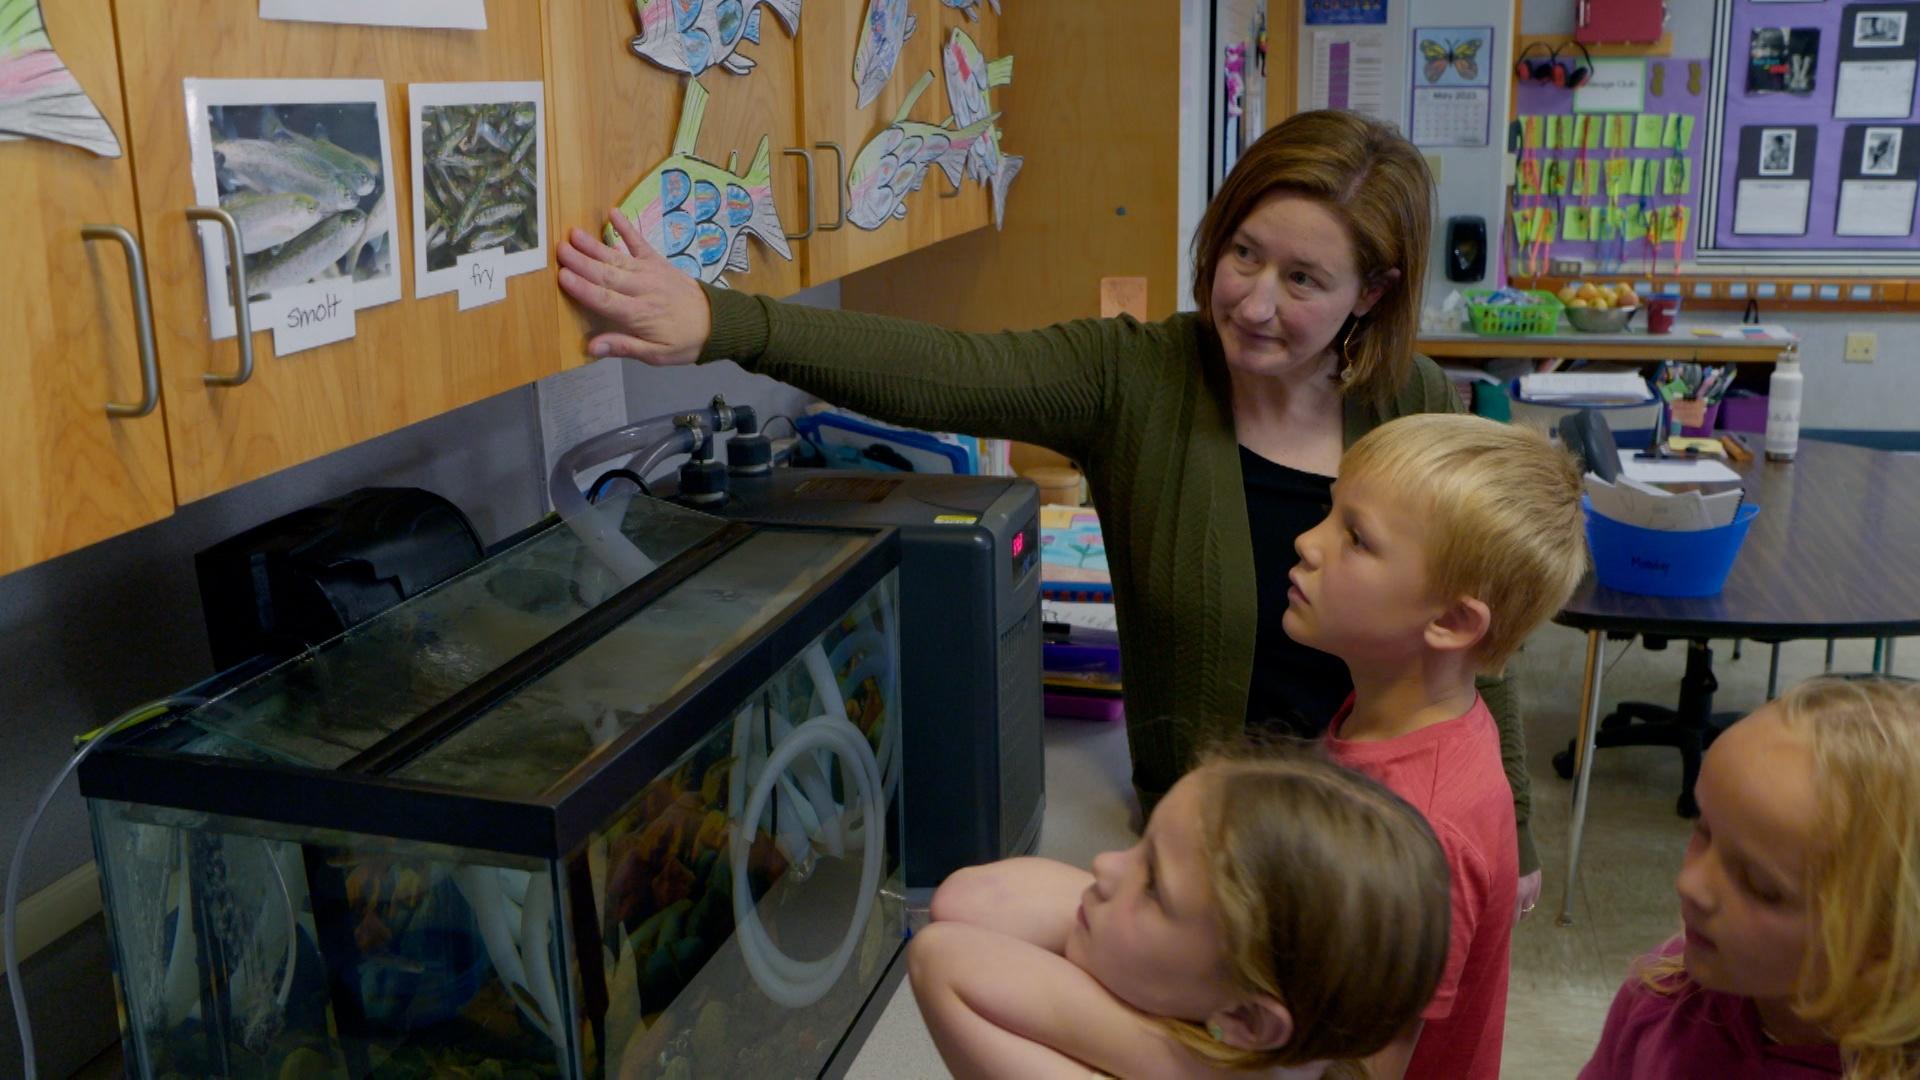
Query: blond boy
x=1450 y=539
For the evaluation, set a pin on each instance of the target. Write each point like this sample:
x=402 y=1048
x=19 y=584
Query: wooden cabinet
x=1094 y=106
x=78 y=475
x=410 y=359
x=616 y=115
x=74 y=473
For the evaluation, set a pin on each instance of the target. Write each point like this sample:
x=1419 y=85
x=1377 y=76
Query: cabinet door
x=616 y=114
x=969 y=208
x=74 y=474
x=832 y=114
x=411 y=359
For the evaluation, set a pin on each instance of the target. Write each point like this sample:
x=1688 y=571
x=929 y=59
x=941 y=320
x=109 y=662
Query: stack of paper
x=1746 y=332
x=1584 y=388
x=1633 y=503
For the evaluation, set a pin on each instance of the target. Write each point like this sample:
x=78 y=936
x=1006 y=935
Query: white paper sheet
x=575 y=406
x=1615 y=86
x=1349 y=72
x=311 y=315
x=1771 y=207
x=1873 y=89
x=438 y=14
x=1612 y=388
x=1091 y=616
x=1875 y=208
x=1675 y=470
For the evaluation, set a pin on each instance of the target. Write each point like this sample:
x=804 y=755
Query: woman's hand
x=658 y=314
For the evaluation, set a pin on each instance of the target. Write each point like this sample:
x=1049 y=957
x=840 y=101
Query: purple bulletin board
x=1836 y=143
x=1544 y=99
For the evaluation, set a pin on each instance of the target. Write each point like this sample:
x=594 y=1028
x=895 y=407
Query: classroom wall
x=1876 y=397
x=1469 y=181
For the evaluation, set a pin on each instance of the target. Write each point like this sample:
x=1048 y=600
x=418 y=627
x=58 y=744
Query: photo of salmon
x=305 y=169
x=479 y=180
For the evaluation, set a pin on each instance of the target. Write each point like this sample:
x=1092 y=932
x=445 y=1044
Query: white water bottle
x=1783 y=408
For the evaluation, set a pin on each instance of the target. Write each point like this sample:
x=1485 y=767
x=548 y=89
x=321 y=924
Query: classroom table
x=1833 y=553
x=1629 y=345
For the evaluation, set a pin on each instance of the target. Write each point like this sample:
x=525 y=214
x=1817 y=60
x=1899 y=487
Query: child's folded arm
x=1000 y=1007
x=1034 y=900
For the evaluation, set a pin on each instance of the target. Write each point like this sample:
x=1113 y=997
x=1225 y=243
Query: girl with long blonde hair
x=1800 y=897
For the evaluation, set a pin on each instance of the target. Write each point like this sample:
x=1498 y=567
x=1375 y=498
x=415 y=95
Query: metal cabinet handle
x=839 y=183
x=807 y=157
x=142 y=318
x=237 y=279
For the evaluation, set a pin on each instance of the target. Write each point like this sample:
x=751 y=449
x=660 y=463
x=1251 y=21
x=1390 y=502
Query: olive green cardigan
x=1145 y=410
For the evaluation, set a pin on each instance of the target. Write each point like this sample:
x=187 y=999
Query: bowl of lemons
x=1597 y=308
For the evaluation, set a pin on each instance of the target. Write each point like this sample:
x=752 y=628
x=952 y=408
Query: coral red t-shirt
x=1451 y=772
x=1695 y=1032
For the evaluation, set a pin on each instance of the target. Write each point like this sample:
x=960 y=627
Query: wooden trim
x=1681 y=347
x=1662 y=47
x=1889 y=295
x=1283 y=44
x=58 y=910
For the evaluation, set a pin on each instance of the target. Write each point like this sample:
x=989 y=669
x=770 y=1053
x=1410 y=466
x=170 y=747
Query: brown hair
x=1860 y=980
x=1377 y=185
x=1333 y=898
x=1502 y=506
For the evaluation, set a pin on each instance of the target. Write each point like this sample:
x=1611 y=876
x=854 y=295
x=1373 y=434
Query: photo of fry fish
x=480 y=179
x=306 y=186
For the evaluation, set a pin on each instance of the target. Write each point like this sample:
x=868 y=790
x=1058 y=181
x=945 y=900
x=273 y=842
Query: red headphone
x=1568 y=74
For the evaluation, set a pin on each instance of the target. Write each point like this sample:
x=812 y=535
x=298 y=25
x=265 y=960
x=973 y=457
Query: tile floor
x=1563 y=978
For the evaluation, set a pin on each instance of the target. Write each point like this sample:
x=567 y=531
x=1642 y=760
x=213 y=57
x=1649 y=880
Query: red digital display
x=1019 y=544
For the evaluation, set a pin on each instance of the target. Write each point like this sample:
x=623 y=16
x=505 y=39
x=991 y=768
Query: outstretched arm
x=1057 y=386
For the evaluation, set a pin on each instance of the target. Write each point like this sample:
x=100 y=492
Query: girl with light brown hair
x=1281 y=916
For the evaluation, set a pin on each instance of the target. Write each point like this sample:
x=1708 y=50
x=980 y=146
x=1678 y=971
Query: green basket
x=1514 y=320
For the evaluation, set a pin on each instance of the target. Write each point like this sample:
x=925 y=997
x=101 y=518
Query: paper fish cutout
x=894 y=163
x=972 y=7
x=699 y=215
x=885 y=29
x=694 y=35
x=969 y=77
x=39 y=97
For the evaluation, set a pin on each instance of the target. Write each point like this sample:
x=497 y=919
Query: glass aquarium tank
x=538 y=821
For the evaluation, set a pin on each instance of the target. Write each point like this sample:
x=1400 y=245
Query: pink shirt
x=1451 y=772
x=1694 y=1032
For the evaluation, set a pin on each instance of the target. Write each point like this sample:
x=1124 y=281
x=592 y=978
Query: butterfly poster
x=1452 y=56
x=1452 y=86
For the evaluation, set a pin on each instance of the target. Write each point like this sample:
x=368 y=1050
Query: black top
x=1295 y=690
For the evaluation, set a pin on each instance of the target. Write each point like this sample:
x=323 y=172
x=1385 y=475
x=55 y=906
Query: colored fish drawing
x=699 y=215
x=969 y=77
x=894 y=163
x=885 y=29
x=694 y=35
x=39 y=97
x=972 y=7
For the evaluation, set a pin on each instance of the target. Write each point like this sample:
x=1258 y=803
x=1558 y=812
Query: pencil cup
x=1655 y=562
x=1693 y=418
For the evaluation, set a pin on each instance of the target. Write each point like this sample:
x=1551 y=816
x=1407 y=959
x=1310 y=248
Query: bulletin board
x=1609 y=174
x=1814 y=158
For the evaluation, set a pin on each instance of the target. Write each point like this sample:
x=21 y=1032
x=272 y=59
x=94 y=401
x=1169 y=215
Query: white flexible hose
x=787 y=981
x=599 y=529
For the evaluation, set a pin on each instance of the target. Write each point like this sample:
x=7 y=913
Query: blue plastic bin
x=1653 y=562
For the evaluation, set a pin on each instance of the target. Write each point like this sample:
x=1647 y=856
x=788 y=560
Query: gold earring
x=1213 y=1030
x=1346 y=357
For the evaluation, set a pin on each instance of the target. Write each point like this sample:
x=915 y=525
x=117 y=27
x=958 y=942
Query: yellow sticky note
x=1647 y=130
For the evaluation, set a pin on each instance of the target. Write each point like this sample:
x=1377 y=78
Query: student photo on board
x=1776 y=151
x=1880 y=29
x=1880 y=152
